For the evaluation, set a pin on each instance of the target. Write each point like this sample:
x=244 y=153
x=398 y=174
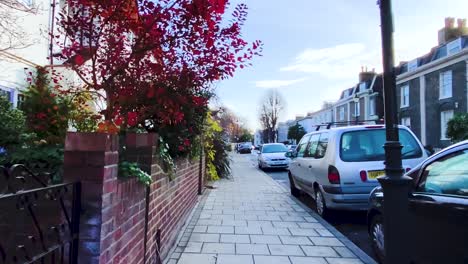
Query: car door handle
x=310 y=166
x=299 y=164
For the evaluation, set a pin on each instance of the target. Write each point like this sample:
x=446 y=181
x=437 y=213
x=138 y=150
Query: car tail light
x=333 y=175
x=363 y=175
x=408 y=169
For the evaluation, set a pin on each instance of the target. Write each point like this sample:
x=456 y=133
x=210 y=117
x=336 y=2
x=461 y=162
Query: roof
x=435 y=54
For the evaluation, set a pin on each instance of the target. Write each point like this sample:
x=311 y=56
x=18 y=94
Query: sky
x=314 y=49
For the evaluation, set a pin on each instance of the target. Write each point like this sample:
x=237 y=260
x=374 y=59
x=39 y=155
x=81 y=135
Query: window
x=20 y=101
x=342 y=113
x=445 y=116
x=404 y=97
x=312 y=147
x=322 y=146
x=454 y=46
x=357 y=109
x=448 y=175
x=406 y=121
x=372 y=106
x=367 y=145
x=301 y=147
x=445 y=85
x=412 y=65
x=362 y=87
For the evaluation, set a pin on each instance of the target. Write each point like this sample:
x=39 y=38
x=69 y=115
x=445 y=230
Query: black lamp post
x=395 y=184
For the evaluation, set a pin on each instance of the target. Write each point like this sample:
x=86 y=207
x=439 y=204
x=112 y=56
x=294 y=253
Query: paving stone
x=264 y=239
x=324 y=232
x=205 y=216
x=278 y=213
x=175 y=255
x=245 y=217
x=218 y=248
x=275 y=231
x=289 y=218
x=310 y=225
x=344 y=252
x=172 y=261
x=302 y=232
x=221 y=229
x=285 y=224
x=252 y=249
x=319 y=251
x=234 y=259
x=223 y=217
x=326 y=241
x=308 y=260
x=285 y=250
x=209 y=222
x=190 y=258
x=271 y=260
x=235 y=239
x=269 y=217
x=248 y=230
x=259 y=223
x=310 y=219
x=193 y=247
x=198 y=237
x=200 y=229
x=344 y=261
x=234 y=223
x=295 y=240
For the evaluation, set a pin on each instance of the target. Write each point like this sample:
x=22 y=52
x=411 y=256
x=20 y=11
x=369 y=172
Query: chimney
x=366 y=75
x=461 y=23
x=450 y=32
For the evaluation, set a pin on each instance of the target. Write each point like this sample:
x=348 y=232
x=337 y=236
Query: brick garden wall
x=112 y=228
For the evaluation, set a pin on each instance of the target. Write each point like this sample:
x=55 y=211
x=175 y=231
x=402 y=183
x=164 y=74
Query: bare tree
x=12 y=34
x=271 y=108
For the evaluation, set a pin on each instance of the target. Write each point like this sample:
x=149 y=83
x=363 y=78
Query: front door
x=439 y=211
x=295 y=167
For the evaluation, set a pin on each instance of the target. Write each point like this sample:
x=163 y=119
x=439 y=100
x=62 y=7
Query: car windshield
x=274 y=148
x=367 y=145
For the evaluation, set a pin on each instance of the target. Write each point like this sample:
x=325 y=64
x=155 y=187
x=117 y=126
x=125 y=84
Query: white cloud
x=337 y=62
x=277 y=83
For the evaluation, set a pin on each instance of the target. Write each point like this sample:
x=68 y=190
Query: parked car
x=291 y=147
x=245 y=147
x=272 y=155
x=339 y=167
x=438 y=209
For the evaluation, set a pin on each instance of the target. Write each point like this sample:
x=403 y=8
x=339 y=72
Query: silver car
x=339 y=167
x=273 y=156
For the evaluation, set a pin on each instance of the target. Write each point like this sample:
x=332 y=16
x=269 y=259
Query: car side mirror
x=290 y=154
x=429 y=150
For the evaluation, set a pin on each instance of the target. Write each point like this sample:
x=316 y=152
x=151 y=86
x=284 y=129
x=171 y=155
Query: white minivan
x=339 y=167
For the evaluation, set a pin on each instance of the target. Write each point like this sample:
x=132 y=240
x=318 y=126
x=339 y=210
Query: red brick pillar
x=92 y=158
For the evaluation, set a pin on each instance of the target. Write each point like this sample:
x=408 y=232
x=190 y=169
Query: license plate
x=375 y=174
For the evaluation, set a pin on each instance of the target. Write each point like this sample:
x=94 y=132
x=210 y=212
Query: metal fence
x=39 y=222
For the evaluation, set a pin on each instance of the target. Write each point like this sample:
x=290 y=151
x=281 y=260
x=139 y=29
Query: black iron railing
x=38 y=223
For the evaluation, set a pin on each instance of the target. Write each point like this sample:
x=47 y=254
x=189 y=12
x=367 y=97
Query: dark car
x=245 y=148
x=437 y=230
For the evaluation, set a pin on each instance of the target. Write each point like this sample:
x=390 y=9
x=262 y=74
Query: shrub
x=457 y=127
x=12 y=125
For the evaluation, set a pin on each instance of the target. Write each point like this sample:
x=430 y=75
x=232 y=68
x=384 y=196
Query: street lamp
x=395 y=185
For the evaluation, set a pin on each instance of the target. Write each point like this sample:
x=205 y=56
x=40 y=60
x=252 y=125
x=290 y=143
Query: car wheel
x=320 y=205
x=377 y=237
x=294 y=191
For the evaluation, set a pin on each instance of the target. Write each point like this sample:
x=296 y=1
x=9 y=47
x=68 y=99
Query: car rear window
x=367 y=145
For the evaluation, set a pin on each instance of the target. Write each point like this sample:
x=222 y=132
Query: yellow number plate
x=375 y=174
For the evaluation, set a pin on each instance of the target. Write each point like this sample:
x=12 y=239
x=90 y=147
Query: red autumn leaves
x=153 y=58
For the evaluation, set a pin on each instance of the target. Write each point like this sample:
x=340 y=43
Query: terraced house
x=434 y=87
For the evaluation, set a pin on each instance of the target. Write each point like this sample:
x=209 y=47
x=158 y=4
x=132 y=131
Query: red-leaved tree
x=152 y=58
